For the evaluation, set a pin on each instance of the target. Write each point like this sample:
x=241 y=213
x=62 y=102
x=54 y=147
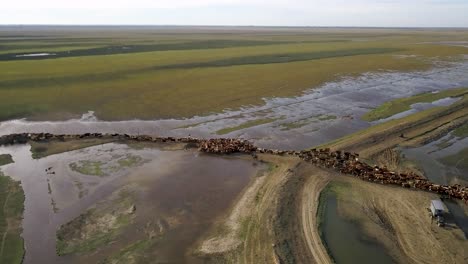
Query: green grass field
x=166 y=73
x=11 y=214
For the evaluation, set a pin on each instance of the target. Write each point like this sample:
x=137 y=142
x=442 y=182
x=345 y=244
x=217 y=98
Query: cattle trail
x=343 y=162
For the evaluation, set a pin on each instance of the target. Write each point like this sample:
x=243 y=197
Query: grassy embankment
x=5 y=159
x=11 y=214
x=417 y=129
x=396 y=106
x=193 y=73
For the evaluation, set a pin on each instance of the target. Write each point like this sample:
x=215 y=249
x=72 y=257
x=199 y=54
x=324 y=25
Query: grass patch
x=88 y=167
x=326 y=117
x=43 y=149
x=396 y=106
x=461 y=131
x=5 y=159
x=130 y=161
x=292 y=125
x=245 y=125
x=11 y=214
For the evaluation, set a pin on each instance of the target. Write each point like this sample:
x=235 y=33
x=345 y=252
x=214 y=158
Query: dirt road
x=310 y=201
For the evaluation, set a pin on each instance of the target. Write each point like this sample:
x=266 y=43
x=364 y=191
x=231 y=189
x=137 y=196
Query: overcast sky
x=371 y=13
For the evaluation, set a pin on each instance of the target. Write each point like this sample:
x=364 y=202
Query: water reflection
x=170 y=182
x=344 y=240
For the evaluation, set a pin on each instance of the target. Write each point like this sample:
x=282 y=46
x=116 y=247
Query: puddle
x=347 y=100
x=345 y=242
x=200 y=187
x=35 y=55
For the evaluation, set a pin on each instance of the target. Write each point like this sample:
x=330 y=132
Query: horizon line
x=246 y=26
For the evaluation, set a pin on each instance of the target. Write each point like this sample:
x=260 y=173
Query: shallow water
x=344 y=101
x=345 y=242
x=201 y=186
x=428 y=159
x=34 y=55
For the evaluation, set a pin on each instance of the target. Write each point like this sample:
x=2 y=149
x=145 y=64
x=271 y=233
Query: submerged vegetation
x=133 y=253
x=11 y=214
x=88 y=167
x=98 y=226
x=107 y=167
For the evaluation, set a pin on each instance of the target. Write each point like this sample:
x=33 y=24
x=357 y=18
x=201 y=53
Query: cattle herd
x=343 y=162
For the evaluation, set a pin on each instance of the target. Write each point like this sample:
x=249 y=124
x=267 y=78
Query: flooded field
x=174 y=197
x=430 y=158
x=317 y=116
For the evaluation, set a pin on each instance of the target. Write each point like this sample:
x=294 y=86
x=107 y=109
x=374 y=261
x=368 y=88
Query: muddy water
x=195 y=193
x=202 y=187
x=297 y=122
x=345 y=242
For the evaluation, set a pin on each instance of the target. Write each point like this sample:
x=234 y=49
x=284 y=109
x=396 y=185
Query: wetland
x=396 y=97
